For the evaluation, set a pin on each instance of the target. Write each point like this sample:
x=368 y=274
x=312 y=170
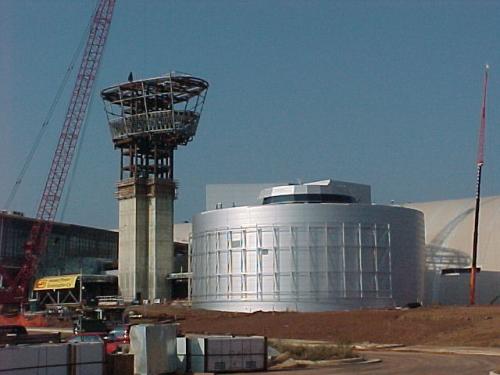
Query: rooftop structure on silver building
x=326 y=191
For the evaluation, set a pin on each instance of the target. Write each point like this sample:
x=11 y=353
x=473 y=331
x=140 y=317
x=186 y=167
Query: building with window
x=71 y=248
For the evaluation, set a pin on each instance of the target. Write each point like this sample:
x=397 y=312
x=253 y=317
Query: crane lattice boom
x=480 y=163
x=63 y=156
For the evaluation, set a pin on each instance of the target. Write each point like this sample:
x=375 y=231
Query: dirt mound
x=457 y=326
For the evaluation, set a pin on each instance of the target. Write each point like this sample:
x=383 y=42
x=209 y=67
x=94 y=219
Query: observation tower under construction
x=148 y=119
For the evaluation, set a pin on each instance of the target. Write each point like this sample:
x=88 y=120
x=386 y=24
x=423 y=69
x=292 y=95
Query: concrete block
x=154 y=347
x=227 y=353
x=34 y=359
x=19 y=357
x=87 y=358
x=196 y=345
x=197 y=363
x=56 y=354
x=258 y=345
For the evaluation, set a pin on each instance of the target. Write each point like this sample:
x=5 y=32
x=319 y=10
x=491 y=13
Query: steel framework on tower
x=15 y=287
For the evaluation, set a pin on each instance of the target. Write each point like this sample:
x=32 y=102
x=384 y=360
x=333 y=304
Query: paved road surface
x=411 y=363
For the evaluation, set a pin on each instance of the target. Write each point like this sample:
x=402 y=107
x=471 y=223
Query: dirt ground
x=451 y=326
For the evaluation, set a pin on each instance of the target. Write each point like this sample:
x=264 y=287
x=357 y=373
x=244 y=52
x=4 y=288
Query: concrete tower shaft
x=148 y=119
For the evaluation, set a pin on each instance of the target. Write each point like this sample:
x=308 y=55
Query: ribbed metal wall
x=307 y=257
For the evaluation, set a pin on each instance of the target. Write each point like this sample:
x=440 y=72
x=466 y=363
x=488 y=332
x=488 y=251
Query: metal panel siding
x=307 y=257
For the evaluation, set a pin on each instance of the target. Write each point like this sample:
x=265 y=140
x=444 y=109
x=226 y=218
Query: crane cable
x=47 y=119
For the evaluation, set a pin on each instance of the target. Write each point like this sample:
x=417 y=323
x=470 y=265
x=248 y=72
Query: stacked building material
x=225 y=353
x=154 y=348
x=54 y=359
x=86 y=358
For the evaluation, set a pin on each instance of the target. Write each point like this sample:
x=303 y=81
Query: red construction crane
x=480 y=163
x=16 y=287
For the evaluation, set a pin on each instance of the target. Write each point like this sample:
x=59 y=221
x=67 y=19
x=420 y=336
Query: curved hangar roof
x=449 y=227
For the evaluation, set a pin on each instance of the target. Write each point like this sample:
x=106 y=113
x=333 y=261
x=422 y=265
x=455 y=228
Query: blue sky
x=385 y=93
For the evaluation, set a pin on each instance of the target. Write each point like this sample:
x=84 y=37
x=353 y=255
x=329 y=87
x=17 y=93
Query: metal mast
x=63 y=156
x=480 y=163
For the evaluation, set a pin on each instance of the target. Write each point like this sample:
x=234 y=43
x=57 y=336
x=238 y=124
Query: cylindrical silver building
x=307 y=248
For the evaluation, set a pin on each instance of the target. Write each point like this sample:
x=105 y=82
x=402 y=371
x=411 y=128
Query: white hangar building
x=449 y=228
